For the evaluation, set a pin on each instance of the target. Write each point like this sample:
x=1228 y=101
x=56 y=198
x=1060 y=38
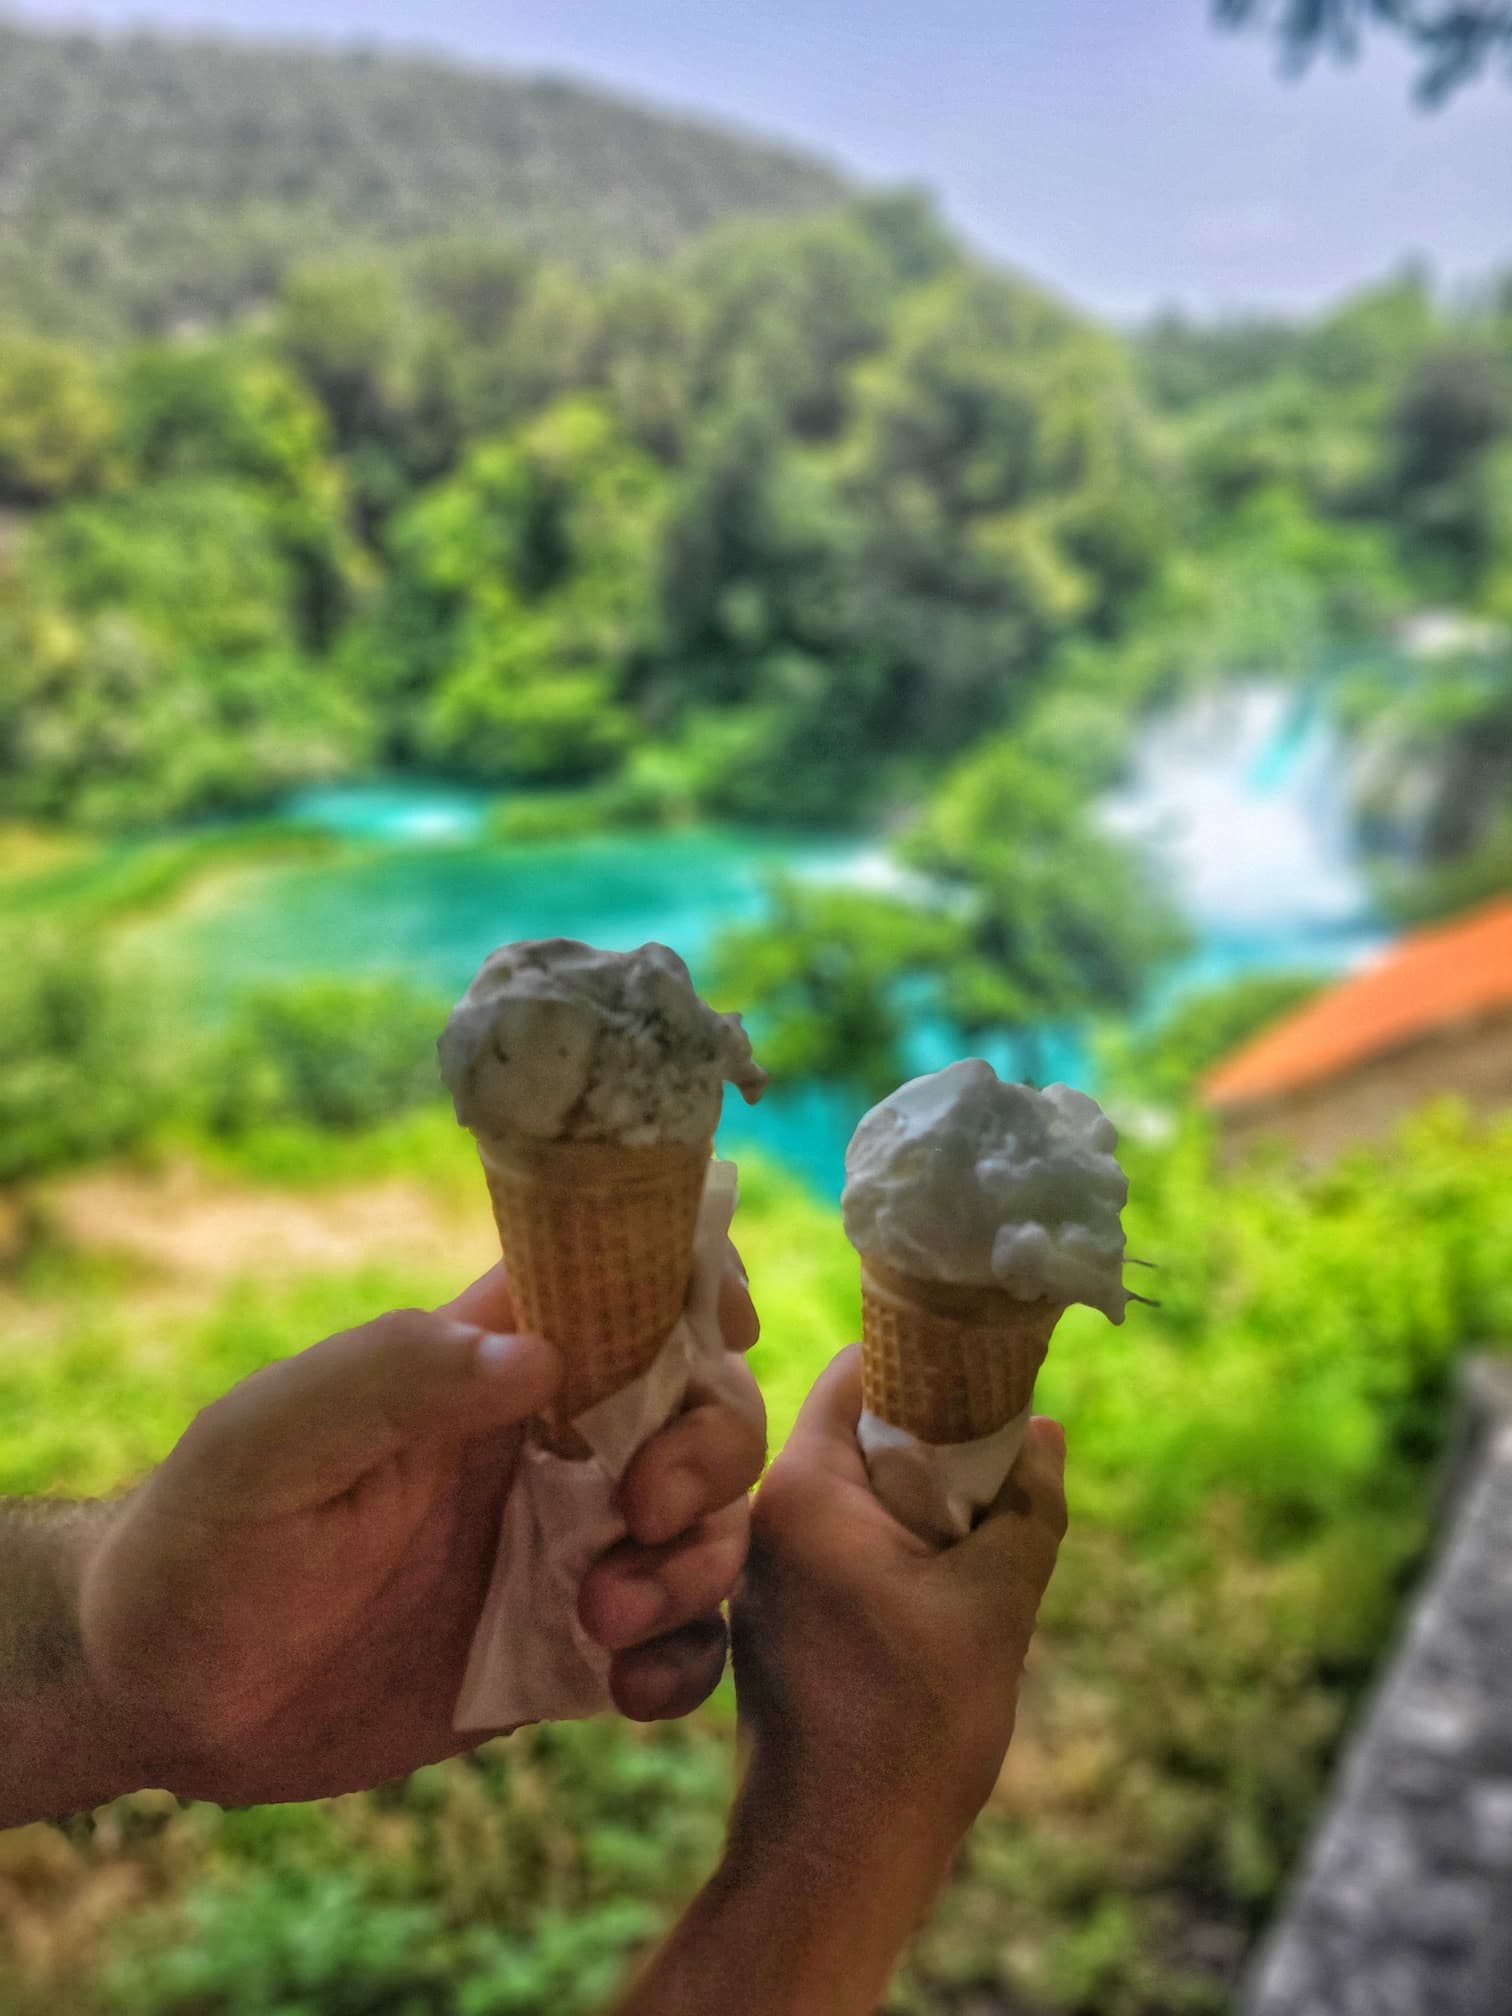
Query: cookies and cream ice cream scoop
x=556 y=1040
x=592 y=1082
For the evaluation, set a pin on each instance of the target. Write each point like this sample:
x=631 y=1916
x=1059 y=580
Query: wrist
x=861 y=1815
x=809 y=1909
x=842 y=1831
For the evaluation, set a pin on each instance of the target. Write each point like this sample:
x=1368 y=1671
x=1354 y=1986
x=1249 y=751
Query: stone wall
x=1472 y=1062
x=1403 y=1905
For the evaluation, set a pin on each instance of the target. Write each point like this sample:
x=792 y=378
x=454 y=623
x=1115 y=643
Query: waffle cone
x=598 y=1241
x=947 y=1361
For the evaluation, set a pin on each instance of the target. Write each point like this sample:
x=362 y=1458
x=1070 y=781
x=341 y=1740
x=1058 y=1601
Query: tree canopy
x=1457 y=40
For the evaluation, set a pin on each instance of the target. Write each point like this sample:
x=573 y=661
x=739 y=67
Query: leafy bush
x=1250 y=1470
x=1012 y=912
x=332 y=1053
x=80 y=1044
x=826 y=979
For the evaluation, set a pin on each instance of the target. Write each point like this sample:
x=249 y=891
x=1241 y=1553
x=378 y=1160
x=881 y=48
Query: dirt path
x=194 y=1231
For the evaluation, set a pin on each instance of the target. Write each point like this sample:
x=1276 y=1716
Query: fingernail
x=497 y=1353
x=683 y=1669
x=1050 y=1431
x=660 y=1686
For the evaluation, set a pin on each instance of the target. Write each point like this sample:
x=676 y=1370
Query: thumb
x=305 y=1429
x=826 y=1426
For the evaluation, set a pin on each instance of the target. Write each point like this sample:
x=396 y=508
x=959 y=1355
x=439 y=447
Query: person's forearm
x=794 y=1921
x=60 y=1752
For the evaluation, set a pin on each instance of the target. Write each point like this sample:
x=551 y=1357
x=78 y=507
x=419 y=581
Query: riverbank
x=55 y=880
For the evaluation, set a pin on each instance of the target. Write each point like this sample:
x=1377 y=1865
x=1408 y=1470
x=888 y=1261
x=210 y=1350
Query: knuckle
x=718 y=1576
x=705 y=1571
x=201 y=1439
x=396 y=1325
x=389 y=1333
x=726 y=1444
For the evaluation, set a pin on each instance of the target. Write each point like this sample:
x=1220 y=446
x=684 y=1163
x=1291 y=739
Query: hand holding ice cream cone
x=592 y=1082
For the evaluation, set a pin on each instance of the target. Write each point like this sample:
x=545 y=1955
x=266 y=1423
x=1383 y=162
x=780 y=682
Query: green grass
x=425 y=1145
x=1249 y=1477
x=87 y=887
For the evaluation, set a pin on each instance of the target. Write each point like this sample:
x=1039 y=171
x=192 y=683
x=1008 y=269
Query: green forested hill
x=782 y=526
x=147 y=181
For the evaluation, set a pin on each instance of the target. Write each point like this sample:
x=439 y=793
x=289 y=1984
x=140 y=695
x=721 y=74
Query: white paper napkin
x=938 y=1490
x=531 y=1659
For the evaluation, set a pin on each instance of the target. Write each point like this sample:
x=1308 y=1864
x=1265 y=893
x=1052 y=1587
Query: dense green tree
x=472 y=287
x=1360 y=350
x=535 y=564
x=826 y=978
x=997 y=475
x=152 y=662
x=57 y=422
x=1455 y=409
x=790 y=310
x=1493 y=483
x=336 y=1053
x=1185 y=362
x=1016 y=914
x=219 y=410
x=1058 y=918
x=345 y=327
x=1280 y=433
x=637 y=349
x=777 y=529
x=191 y=561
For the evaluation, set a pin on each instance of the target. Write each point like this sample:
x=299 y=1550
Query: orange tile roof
x=1427 y=981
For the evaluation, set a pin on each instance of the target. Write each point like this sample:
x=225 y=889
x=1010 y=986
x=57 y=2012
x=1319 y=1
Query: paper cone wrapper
x=598 y=1242
x=946 y=1361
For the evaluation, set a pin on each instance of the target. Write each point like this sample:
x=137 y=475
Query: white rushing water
x=1240 y=798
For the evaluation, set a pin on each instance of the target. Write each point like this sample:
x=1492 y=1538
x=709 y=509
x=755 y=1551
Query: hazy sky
x=1122 y=149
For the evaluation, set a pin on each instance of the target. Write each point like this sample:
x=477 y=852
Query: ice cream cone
x=598 y=1241
x=945 y=1360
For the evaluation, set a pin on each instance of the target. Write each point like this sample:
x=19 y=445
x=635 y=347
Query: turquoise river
x=1239 y=795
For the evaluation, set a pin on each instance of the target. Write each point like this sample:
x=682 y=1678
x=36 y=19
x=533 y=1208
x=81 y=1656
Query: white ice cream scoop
x=960 y=1176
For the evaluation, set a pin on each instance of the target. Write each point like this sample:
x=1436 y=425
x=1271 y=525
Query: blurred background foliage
x=698 y=488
